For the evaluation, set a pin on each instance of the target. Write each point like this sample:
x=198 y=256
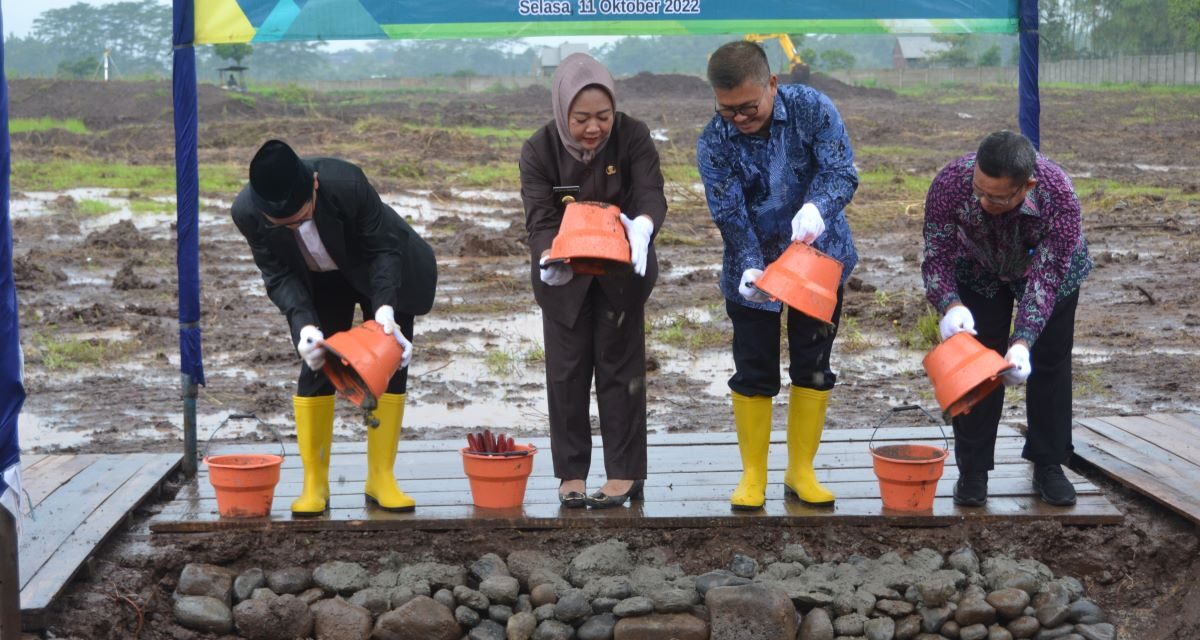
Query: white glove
x=557 y=274
x=1018 y=358
x=386 y=317
x=957 y=319
x=747 y=288
x=638 y=231
x=310 y=347
x=807 y=224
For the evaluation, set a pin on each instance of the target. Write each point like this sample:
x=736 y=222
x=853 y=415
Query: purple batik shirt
x=1036 y=250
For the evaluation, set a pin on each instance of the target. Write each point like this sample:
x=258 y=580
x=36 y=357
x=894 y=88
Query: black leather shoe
x=571 y=499
x=601 y=500
x=971 y=489
x=1052 y=485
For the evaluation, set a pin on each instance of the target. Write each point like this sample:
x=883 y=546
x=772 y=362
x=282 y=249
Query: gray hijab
x=577 y=72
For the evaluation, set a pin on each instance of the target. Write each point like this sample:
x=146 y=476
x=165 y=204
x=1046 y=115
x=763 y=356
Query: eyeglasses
x=979 y=195
x=748 y=110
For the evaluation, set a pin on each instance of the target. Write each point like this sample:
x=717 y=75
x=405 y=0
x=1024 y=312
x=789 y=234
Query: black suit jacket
x=376 y=251
x=626 y=173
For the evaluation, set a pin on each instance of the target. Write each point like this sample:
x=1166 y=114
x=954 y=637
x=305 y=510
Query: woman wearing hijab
x=593 y=325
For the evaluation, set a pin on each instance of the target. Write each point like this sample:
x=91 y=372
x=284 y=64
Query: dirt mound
x=650 y=85
x=835 y=88
x=122 y=235
x=33 y=272
x=103 y=105
x=127 y=280
x=483 y=242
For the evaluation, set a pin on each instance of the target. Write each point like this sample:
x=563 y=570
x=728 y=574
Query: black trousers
x=610 y=345
x=756 y=349
x=335 y=300
x=1047 y=391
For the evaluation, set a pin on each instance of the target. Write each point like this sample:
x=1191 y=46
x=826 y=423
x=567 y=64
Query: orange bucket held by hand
x=963 y=372
x=361 y=361
x=804 y=279
x=591 y=239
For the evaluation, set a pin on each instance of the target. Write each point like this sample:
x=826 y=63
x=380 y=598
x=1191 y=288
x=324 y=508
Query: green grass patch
x=506 y=175
x=851 y=337
x=60 y=175
x=670 y=236
x=95 y=207
x=681 y=331
x=1088 y=382
x=686 y=174
x=67 y=354
x=26 y=125
x=1109 y=192
x=1128 y=87
x=891 y=183
x=891 y=152
x=924 y=335
x=151 y=206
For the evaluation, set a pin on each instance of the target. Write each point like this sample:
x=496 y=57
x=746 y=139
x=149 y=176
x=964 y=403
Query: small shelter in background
x=914 y=52
x=231 y=78
x=549 y=57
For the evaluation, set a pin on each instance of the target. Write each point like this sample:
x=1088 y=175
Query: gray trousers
x=611 y=346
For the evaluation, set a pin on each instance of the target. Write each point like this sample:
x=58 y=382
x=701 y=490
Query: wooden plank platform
x=1157 y=455
x=74 y=503
x=691 y=477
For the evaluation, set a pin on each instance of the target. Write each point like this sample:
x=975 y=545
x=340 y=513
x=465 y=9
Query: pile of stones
x=606 y=592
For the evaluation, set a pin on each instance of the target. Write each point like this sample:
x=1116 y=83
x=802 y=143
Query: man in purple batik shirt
x=1003 y=226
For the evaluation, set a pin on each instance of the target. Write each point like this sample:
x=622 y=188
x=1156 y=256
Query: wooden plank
x=1155 y=461
x=67 y=508
x=1127 y=467
x=862 y=435
x=31 y=460
x=142 y=474
x=52 y=474
x=1089 y=510
x=1190 y=418
x=1183 y=443
x=291 y=482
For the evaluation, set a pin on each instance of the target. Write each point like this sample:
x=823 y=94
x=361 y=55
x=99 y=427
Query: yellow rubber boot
x=806 y=421
x=752 y=416
x=314 y=435
x=381 y=488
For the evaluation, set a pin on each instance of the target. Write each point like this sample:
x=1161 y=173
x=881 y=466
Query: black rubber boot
x=1052 y=485
x=971 y=489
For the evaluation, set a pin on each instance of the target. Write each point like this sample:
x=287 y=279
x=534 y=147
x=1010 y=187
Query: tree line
x=71 y=42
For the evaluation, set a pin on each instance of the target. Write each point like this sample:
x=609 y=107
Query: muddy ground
x=98 y=302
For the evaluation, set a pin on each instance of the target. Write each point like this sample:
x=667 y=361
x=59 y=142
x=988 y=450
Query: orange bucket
x=244 y=483
x=804 y=279
x=498 y=481
x=908 y=474
x=963 y=372
x=361 y=361
x=592 y=239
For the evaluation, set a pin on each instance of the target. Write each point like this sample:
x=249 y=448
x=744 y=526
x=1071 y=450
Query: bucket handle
x=244 y=416
x=908 y=407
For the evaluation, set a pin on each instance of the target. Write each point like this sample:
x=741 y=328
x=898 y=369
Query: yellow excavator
x=798 y=72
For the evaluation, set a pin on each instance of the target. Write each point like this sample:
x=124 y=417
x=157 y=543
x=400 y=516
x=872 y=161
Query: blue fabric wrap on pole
x=12 y=390
x=1030 y=110
x=187 y=193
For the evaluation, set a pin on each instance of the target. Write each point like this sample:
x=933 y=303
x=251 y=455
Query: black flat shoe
x=601 y=500
x=572 y=499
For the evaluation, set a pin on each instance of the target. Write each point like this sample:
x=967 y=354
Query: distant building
x=549 y=57
x=914 y=52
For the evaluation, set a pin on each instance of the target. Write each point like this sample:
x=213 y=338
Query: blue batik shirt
x=756 y=185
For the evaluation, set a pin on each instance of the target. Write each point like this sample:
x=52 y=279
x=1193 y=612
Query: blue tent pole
x=187 y=248
x=1030 y=109
x=12 y=394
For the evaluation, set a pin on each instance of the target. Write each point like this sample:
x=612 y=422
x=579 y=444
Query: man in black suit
x=325 y=243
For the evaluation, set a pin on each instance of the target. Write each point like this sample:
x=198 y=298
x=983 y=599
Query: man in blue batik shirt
x=777 y=168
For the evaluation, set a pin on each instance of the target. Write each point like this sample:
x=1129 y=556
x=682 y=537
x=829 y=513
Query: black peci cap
x=280 y=183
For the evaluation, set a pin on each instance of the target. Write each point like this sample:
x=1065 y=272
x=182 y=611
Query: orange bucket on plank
x=244 y=483
x=804 y=279
x=963 y=372
x=498 y=481
x=591 y=239
x=908 y=474
x=361 y=361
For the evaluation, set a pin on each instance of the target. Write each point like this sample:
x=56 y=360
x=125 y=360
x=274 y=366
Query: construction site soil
x=97 y=295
